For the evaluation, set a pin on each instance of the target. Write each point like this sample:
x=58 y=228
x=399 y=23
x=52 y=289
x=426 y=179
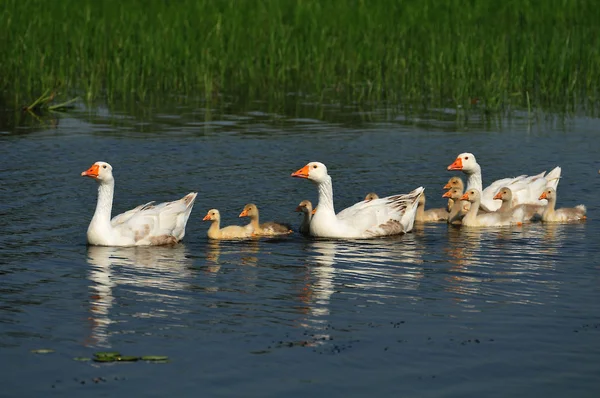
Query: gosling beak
x=447 y=195
x=206 y=217
x=543 y=196
x=465 y=197
x=244 y=213
x=498 y=196
x=314 y=211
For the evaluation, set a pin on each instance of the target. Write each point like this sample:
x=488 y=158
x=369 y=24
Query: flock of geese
x=509 y=201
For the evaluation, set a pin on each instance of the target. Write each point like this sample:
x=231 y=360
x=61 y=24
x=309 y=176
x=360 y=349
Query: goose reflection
x=161 y=271
x=482 y=259
x=368 y=267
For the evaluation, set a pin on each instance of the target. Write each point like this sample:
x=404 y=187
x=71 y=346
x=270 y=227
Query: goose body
x=525 y=189
x=576 y=213
x=269 y=228
x=379 y=217
x=305 y=207
x=231 y=232
x=145 y=225
x=532 y=212
x=495 y=219
x=430 y=215
x=459 y=207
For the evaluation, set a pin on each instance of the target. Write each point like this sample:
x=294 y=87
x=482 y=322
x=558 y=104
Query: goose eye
x=104 y=166
x=466 y=157
x=314 y=166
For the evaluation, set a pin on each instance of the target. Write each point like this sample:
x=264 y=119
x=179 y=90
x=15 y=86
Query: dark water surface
x=439 y=312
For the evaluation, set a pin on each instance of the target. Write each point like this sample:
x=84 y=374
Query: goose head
x=454 y=193
x=212 y=215
x=305 y=207
x=472 y=195
x=455 y=182
x=370 y=196
x=504 y=194
x=250 y=210
x=314 y=171
x=100 y=171
x=465 y=162
x=549 y=193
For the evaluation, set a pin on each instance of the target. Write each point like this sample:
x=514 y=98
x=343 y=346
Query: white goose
x=378 y=217
x=525 y=189
x=145 y=225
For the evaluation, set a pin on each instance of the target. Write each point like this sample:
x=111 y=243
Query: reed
x=495 y=54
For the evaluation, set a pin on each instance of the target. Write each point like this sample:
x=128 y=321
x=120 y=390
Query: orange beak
x=206 y=218
x=465 y=197
x=92 y=172
x=244 y=213
x=302 y=173
x=498 y=196
x=299 y=208
x=314 y=211
x=447 y=195
x=447 y=186
x=457 y=165
x=543 y=196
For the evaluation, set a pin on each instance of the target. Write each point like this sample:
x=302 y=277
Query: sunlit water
x=438 y=312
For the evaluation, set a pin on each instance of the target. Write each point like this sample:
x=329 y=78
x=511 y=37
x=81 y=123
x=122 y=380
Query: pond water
x=438 y=312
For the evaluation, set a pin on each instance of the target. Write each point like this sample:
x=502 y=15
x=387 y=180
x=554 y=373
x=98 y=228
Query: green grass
x=510 y=53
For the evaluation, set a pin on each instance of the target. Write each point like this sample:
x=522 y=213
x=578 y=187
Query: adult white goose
x=525 y=189
x=145 y=225
x=378 y=217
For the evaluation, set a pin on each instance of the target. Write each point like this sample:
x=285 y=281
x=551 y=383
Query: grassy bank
x=498 y=53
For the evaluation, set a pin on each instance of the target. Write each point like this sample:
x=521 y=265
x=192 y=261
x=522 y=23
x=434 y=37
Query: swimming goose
x=146 y=225
x=230 y=232
x=560 y=215
x=459 y=207
x=430 y=215
x=454 y=182
x=532 y=212
x=268 y=228
x=305 y=207
x=473 y=219
x=370 y=196
x=379 y=217
x=525 y=189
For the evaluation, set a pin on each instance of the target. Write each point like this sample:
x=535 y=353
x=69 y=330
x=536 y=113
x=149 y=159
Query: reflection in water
x=482 y=259
x=160 y=271
x=371 y=268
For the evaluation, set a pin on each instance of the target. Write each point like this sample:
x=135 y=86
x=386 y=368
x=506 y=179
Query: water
x=439 y=312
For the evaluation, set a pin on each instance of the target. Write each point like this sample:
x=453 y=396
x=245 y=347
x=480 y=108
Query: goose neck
x=474 y=179
x=325 y=188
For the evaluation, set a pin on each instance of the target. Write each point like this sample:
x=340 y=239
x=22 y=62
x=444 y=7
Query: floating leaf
x=42 y=351
x=155 y=358
x=126 y=358
x=105 y=359
x=107 y=354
